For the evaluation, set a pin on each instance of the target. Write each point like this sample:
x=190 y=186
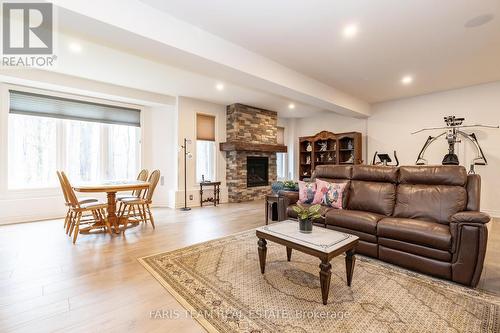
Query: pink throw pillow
x=307 y=192
x=330 y=194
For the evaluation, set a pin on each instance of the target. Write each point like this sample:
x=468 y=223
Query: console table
x=216 y=198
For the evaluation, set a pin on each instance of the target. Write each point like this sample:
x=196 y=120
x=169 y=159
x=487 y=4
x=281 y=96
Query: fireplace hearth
x=257 y=171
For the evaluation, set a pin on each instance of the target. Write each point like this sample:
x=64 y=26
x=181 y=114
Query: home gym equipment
x=452 y=132
x=384 y=159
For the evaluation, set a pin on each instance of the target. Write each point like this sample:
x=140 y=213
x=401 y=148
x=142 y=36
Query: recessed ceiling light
x=350 y=30
x=479 y=20
x=219 y=86
x=291 y=106
x=75 y=47
x=407 y=80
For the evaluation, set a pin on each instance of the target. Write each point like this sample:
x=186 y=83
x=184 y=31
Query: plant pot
x=305 y=226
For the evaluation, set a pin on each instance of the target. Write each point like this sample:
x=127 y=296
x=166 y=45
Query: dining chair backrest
x=61 y=182
x=142 y=176
x=73 y=200
x=153 y=181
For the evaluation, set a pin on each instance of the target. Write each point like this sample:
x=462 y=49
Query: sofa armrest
x=291 y=196
x=470 y=217
x=469 y=239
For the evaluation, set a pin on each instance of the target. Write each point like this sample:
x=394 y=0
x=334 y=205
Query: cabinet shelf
x=337 y=149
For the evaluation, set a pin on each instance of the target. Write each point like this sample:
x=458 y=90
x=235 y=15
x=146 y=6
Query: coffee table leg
x=325 y=275
x=288 y=253
x=262 y=254
x=350 y=260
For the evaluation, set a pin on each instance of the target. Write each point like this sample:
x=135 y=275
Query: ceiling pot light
x=75 y=47
x=219 y=86
x=291 y=106
x=350 y=30
x=479 y=20
x=407 y=80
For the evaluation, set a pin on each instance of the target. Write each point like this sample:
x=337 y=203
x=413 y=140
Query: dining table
x=111 y=188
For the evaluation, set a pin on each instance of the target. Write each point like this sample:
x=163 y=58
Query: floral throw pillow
x=307 y=192
x=331 y=194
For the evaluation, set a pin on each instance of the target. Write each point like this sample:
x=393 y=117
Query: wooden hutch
x=328 y=148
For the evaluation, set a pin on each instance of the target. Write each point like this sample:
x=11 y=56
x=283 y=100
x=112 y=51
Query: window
x=82 y=151
x=205 y=147
x=32 y=151
x=280 y=165
x=42 y=140
x=205 y=160
x=281 y=157
x=123 y=151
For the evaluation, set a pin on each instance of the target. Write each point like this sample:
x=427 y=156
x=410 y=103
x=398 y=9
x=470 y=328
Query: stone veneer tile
x=252 y=125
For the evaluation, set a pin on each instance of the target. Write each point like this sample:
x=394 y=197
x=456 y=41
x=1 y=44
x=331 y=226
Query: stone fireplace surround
x=250 y=131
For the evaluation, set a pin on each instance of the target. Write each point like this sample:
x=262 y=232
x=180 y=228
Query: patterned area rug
x=220 y=284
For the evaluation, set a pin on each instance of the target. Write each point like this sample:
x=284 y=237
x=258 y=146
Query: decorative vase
x=276 y=187
x=305 y=226
x=309 y=147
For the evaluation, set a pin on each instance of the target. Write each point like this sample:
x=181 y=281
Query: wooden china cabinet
x=328 y=148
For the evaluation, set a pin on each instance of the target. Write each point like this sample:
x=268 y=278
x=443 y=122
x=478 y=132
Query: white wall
x=187 y=108
x=392 y=122
x=159 y=148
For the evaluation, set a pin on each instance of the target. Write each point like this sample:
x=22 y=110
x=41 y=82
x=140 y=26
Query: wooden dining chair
x=67 y=202
x=138 y=209
x=78 y=210
x=142 y=176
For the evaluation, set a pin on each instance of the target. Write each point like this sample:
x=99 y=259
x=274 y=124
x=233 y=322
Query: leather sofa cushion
x=354 y=219
x=333 y=171
x=324 y=209
x=386 y=174
x=415 y=262
x=419 y=232
x=430 y=202
x=420 y=250
x=372 y=197
x=433 y=175
x=362 y=235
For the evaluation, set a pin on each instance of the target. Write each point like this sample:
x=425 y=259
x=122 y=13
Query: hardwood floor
x=48 y=284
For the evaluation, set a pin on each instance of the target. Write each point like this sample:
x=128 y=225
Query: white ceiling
x=187 y=76
x=423 y=38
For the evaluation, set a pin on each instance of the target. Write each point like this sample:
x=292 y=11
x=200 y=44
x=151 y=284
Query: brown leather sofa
x=425 y=218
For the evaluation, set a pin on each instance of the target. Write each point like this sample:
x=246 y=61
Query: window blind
x=205 y=127
x=32 y=104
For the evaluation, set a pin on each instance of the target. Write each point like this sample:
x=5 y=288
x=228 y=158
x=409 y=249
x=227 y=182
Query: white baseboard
x=29 y=218
x=492 y=212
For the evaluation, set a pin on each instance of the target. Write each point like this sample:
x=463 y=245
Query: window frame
x=285 y=157
x=216 y=143
x=214 y=158
x=284 y=167
x=35 y=192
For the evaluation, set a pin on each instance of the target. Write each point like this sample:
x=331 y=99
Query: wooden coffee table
x=322 y=243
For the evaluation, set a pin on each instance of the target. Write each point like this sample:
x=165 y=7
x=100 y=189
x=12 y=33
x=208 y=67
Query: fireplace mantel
x=257 y=147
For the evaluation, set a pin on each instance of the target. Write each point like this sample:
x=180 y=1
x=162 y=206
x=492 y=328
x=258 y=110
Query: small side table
x=271 y=201
x=216 y=198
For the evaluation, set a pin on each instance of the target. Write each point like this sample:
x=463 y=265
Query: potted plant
x=306 y=215
x=290 y=185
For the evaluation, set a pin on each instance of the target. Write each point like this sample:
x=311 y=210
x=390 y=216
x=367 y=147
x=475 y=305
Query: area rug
x=219 y=283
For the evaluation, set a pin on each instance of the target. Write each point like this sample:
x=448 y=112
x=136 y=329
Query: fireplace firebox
x=257 y=171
